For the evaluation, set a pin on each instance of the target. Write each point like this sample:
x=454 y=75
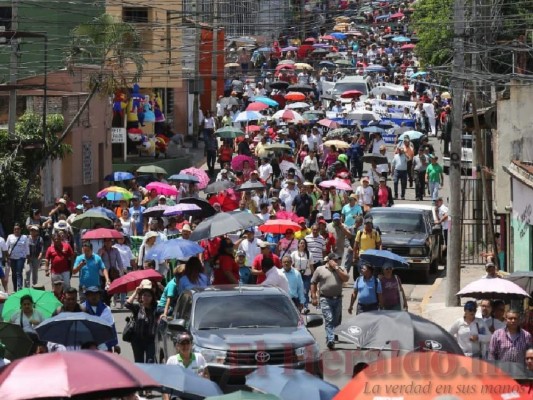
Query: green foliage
x=18 y=157
x=433 y=23
x=111 y=44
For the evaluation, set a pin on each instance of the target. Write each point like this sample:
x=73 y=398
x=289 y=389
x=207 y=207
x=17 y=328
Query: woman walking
x=143 y=313
x=18 y=250
x=392 y=291
x=302 y=262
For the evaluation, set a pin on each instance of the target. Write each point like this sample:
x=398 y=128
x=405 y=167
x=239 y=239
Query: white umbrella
x=363 y=115
x=299 y=104
x=246 y=116
x=284 y=166
x=288 y=115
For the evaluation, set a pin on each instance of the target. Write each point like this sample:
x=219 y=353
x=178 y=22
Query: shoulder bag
x=129 y=330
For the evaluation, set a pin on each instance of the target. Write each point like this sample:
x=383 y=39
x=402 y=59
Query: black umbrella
x=207 y=209
x=524 y=279
x=377 y=158
x=218 y=186
x=155 y=211
x=224 y=223
x=300 y=88
x=280 y=85
x=397 y=330
x=320 y=51
x=180 y=381
x=17 y=343
x=249 y=185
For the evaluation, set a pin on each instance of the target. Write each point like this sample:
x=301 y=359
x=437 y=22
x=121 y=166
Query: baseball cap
x=383 y=179
x=61 y=225
x=336 y=216
x=241 y=253
x=146 y=284
x=33 y=228
x=489 y=265
x=62 y=201
x=85 y=197
x=186 y=228
x=470 y=306
x=301 y=220
x=262 y=244
x=322 y=221
x=368 y=220
x=58 y=280
x=162 y=197
x=79 y=207
x=92 y=289
x=353 y=196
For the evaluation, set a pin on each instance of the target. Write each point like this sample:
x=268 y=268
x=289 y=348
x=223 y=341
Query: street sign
x=118 y=135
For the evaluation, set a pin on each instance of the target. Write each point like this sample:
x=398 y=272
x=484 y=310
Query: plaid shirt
x=503 y=347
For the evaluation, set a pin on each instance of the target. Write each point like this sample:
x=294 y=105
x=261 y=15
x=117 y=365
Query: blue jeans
x=332 y=313
x=307 y=286
x=434 y=190
x=17 y=268
x=402 y=177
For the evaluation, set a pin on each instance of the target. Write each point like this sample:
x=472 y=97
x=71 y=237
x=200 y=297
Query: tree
x=20 y=156
x=112 y=45
x=433 y=24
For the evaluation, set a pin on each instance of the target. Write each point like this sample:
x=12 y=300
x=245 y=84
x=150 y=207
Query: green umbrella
x=229 y=132
x=14 y=340
x=44 y=302
x=342 y=62
x=91 y=218
x=277 y=147
x=151 y=169
x=242 y=395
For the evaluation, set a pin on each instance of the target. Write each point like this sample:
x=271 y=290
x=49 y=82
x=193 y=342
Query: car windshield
x=340 y=88
x=244 y=311
x=399 y=222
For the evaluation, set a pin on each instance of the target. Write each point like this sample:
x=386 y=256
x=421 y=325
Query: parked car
x=239 y=328
x=466 y=156
x=410 y=232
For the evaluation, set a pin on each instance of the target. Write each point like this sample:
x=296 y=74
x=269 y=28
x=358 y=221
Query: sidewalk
x=433 y=306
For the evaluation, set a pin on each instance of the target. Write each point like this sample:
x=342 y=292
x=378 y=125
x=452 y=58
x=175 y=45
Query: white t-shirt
x=324 y=208
x=251 y=249
x=442 y=211
x=197 y=364
x=365 y=195
x=275 y=277
x=265 y=170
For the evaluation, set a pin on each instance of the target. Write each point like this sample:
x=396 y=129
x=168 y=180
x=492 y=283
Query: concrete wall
x=521 y=222
x=513 y=140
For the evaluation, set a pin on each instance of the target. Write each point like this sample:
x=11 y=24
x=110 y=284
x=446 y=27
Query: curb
x=429 y=294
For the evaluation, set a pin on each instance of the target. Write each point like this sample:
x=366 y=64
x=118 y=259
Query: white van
x=355 y=82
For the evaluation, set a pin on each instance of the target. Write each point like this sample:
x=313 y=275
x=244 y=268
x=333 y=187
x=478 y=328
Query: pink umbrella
x=408 y=47
x=329 y=123
x=162 y=188
x=397 y=15
x=328 y=37
x=337 y=184
x=257 y=106
x=238 y=161
x=203 y=179
x=102 y=233
x=287 y=215
x=495 y=288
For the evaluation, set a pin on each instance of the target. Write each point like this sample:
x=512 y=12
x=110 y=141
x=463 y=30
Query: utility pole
x=13 y=70
x=453 y=259
x=196 y=88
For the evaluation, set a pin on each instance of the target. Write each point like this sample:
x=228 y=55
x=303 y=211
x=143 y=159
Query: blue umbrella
x=290 y=384
x=75 y=328
x=373 y=129
x=338 y=35
x=264 y=50
x=174 y=249
x=413 y=135
x=327 y=64
x=180 y=381
x=417 y=74
x=119 y=176
x=375 y=68
x=379 y=258
x=105 y=212
x=266 y=100
x=401 y=39
x=184 y=178
x=380 y=17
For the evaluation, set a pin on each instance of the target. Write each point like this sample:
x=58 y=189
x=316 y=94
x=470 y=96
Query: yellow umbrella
x=339 y=144
x=446 y=95
x=302 y=66
x=342 y=27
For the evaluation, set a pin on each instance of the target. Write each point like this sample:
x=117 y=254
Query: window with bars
x=136 y=15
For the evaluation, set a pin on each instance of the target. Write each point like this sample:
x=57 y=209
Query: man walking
x=419 y=166
x=434 y=177
x=296 y=284
x=399 y=172
x=59 y=258
x=327 y=283
x=511 y=342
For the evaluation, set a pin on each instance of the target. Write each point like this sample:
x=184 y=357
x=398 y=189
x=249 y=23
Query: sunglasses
x=184 y=342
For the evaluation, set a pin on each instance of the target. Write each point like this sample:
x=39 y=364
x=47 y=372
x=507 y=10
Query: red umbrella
x=408 y=47
x=102 y=233
x=328 y=37
x=329 y=123
x=295 y=96
x=287 y=215
x=257 y=106
x=238 y=161
x=228 y=200
x=397 y=15
x=131 y=280
x=351 y=94
x=284 y=66
x=253 y=128
x=310 y=40
x=279 y=226
x=67 y=374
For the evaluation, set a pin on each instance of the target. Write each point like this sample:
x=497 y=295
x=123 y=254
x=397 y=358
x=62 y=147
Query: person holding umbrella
x=27 y=317
x=144 y=315
x=95 y=306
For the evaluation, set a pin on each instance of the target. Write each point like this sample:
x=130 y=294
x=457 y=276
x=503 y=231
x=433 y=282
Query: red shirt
x=256 y=264
x=330 y=242
x=211 y=248
x=60 y=259
x=225 y=263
